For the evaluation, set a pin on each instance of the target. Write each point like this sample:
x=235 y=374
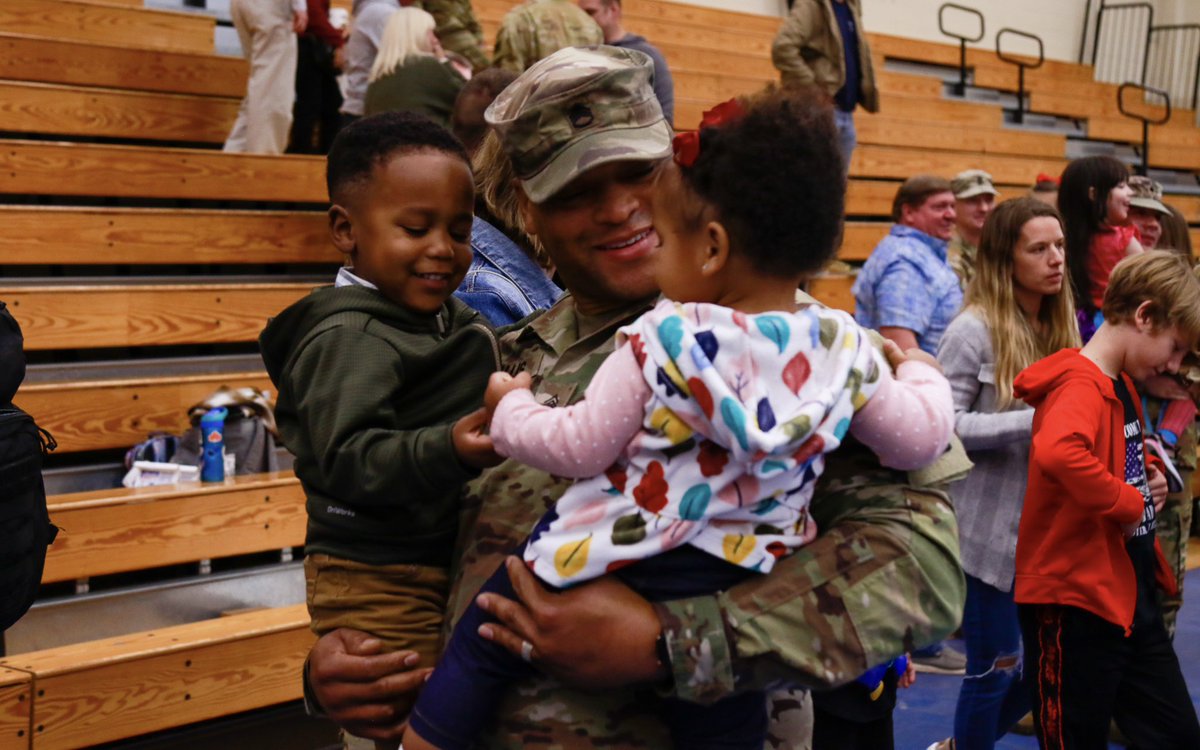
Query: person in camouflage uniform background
x=882 y=578
x=537 y=28
x=456 y=28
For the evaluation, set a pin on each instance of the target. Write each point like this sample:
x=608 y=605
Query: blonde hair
x=1167 y=282
x=1016 y=342
x=494 y=178
x=406 y=35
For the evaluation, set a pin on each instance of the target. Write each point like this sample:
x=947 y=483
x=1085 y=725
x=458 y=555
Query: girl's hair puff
x=776 y=179
x=1016 y=342
x=1083 y=203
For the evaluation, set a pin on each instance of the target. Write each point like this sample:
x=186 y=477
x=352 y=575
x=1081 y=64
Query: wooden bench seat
x=47 y=168
x=25 y=57
x=55 y=109
x=82 y=316
x=901 y=163
x=883 y=130
x=120 y=530
x=83 y=236
x=107 y=23
x=116 y=688
x=834 y=290
x=16 y=695
x=100 y=414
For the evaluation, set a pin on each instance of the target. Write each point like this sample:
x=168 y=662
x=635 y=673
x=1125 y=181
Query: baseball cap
x=577 y=109
x=1147 y=194
x=971 y=183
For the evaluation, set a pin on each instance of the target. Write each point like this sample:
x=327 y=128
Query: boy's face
x=1154 y=351
x=407 y=229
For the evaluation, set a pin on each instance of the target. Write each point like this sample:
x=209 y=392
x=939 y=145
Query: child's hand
x=895 y=357
x=473 y=446
x=1158 y=487
x=499 y=386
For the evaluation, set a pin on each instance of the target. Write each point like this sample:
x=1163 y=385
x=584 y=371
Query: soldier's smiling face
x=599 y=231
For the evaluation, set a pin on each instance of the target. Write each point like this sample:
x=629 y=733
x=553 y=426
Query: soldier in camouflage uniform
x=538 y=28
x=975 y=197
x=457 y=29
x=587 y=140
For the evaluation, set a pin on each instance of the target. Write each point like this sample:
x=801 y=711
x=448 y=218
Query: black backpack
x=25 y=528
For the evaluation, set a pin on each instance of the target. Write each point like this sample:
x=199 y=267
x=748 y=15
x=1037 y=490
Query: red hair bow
x=687 y=145
x=1043 y=177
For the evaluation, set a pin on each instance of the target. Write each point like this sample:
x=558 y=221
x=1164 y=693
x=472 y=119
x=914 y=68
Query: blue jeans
x=994 y=692
x=847 y=135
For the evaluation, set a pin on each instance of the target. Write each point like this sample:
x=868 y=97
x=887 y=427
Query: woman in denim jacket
x=503 y=283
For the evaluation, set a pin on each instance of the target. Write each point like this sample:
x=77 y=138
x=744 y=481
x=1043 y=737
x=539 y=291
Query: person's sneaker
x=939 y=659
x=947 y=744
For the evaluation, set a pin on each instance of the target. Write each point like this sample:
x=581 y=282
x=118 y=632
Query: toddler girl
x=700 y=438
x=1093 y=199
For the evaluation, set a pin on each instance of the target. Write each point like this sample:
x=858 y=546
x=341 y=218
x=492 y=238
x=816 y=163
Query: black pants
x=1085 y=672
x=317 y=99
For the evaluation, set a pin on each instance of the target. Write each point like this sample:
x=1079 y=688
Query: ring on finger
x=527 y=651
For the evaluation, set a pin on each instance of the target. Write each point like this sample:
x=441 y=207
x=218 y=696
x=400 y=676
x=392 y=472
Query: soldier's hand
x=596 y=635
x=364 y=690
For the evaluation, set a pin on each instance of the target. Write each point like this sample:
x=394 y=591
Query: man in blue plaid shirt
x=907 y=290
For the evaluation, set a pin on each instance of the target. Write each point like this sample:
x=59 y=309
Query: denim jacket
x=503 y=283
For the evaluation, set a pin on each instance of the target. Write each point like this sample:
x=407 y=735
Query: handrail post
x=1021 y=65
x=1146 y=121
x=960 y=88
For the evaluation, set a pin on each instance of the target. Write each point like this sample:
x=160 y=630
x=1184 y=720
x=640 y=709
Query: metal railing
x=960 y=88
x=1147 y=93
x=1021 y=63
x=1126 y=45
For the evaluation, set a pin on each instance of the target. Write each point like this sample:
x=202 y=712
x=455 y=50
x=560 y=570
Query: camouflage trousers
x=790 y=719
x=463 y=42
x=1174 y=527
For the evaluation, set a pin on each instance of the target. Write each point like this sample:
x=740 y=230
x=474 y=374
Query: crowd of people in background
x=1025 y=321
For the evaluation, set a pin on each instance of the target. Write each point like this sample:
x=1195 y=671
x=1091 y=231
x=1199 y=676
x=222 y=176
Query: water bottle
x=212 y=434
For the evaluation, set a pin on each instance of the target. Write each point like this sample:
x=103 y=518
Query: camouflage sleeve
x=882 y=578
x=509 y=51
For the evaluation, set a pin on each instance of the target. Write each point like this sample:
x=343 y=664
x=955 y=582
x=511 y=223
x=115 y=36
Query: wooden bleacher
x=76 y=74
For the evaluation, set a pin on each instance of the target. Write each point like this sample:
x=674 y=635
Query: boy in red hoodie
x=1087 y=558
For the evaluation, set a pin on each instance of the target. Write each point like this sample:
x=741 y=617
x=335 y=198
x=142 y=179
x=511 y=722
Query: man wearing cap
x=537 y=28
x=588 y=141
x=974 y=199
x=906 y=289
x=1146 y=209
x=822 y=43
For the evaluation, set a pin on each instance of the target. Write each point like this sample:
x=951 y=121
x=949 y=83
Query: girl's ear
x=1092 y=193
x=716 y=249
x=341 y=229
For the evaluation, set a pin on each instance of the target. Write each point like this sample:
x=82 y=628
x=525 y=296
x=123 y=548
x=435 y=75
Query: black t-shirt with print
x=1141 y=545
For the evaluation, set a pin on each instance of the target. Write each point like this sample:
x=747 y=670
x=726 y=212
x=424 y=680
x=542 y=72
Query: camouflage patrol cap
x=577 y=109
x=1147 y=194
x=972 y=182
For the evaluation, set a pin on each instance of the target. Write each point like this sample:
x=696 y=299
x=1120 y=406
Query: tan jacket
x=808 y=50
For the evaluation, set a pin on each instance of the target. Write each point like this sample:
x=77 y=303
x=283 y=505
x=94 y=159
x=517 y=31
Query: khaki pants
x=401 y=605
x=265 y=116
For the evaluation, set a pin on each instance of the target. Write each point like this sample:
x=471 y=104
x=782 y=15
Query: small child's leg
x=738 y=722
x=461 y=696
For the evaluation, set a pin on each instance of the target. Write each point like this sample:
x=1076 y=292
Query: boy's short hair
x=1166 y=281
x=362 y=145
x=914 y=191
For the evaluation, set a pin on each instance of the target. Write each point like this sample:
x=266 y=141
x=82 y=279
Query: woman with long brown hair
x=1017 y=310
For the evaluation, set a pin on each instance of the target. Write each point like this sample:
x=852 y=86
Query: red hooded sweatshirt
x=1070 y=546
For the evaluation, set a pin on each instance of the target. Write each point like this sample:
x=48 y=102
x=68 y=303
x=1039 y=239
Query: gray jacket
x=370 y=18
x=988 y=502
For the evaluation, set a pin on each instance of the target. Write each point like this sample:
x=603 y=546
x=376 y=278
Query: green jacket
x=368 y=392
x=808 y=50
x=420 y=84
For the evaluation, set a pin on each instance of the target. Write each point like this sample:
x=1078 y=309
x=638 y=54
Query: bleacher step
x=59 y=622
x=126 y=369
